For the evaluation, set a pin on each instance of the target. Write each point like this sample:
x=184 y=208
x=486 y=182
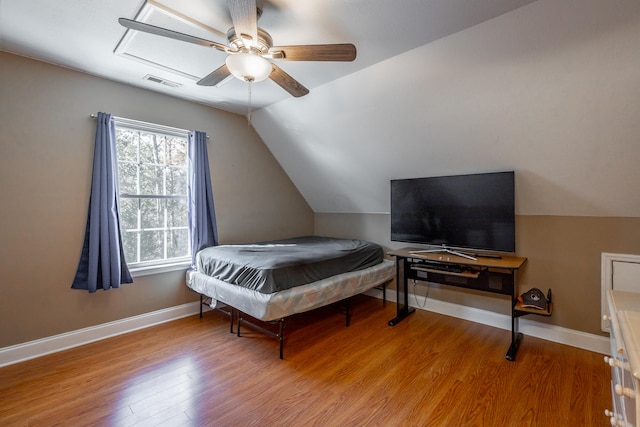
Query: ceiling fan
x=251 y=48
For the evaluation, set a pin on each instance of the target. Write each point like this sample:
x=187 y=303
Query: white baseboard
x=41 y=347
x=583 y=340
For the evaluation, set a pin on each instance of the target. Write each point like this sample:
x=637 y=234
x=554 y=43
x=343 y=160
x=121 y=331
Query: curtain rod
x=95 y=116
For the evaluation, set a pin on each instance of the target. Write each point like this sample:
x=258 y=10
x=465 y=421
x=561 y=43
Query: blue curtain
x=202 y=217
x=102 y=263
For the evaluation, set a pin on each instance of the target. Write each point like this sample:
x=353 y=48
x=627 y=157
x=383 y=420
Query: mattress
x=273 y=266
x=299 y=299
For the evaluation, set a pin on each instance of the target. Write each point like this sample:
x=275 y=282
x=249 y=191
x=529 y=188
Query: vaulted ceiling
x=438 y=87
x=85 y=35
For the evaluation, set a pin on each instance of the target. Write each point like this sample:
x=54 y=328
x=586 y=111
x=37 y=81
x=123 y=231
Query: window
x=153 y=176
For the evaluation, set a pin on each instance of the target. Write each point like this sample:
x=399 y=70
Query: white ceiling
x=83 y=35
x=547 y=88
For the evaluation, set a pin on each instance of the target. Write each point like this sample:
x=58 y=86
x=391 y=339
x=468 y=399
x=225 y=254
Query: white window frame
x=165 y=265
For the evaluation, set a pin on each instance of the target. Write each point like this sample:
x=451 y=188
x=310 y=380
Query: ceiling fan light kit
x=251 y=49
x=248 y=66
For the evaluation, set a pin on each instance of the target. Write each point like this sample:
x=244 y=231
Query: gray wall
x=563 y=253
x=46 y=149
x=550 y=90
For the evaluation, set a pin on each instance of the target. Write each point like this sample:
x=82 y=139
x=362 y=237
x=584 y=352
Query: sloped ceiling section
x=83 y=34
x=550 y=90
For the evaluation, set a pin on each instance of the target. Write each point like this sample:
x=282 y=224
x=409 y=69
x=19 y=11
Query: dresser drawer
x=624 y=320
x=629 y=325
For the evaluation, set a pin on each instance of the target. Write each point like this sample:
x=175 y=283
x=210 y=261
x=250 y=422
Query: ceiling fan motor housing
x=251 y=48
x=262 y=45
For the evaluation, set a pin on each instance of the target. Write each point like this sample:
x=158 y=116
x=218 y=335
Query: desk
x=496 y=275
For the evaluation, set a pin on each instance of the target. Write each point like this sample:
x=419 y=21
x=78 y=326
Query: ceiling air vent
x=161 y=81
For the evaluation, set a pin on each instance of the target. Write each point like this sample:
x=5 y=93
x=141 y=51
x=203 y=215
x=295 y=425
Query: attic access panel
x=178 y=58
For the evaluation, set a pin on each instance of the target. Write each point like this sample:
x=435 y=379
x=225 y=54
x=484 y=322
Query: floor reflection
x=161 y=393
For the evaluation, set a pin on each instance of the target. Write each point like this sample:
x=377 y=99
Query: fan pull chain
x=249 y=108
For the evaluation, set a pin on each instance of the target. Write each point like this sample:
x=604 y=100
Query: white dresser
x=624 y=318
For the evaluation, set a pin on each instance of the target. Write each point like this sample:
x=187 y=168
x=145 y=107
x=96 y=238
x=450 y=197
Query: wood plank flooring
x=429 y=370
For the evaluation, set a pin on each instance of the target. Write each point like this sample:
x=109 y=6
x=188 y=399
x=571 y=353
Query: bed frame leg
x=279 y=335
x=231 y=316
x=383 y=288
x=201 y=306
x=384 y=293
x=281 y=338
x=348 y=313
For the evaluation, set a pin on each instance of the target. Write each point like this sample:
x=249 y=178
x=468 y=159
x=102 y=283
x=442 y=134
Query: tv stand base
x=446 y=251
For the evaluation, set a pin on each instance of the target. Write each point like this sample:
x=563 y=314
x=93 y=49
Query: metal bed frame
x=238 y=316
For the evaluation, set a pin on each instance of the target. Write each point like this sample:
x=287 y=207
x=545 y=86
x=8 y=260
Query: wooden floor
x=429 y=370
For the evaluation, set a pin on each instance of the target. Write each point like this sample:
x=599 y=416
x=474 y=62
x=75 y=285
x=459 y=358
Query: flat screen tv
x=475 y=212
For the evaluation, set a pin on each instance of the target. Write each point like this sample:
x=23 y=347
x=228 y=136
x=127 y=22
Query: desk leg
x=513 y=348
x=402 y=304
x=516 y=337
x=401 y=315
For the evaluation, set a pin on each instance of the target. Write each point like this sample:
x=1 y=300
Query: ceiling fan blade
x=287 y=82
x=244 y=15
x=316 y=52
x=159 y=31
x=215 y=77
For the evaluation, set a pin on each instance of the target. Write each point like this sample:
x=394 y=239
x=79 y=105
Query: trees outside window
x=153 y=177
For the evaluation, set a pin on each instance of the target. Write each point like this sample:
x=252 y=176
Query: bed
x=271 y=281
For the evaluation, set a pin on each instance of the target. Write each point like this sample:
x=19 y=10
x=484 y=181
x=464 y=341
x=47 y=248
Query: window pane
x=128 y=176
x=178 y=243
x=128 y=214
x=176 y=181
x=130 y=243
x=151 y=148
x=152 y=213
x=127 y=144
x=151 y=245
x=176 y=151
x=151 y=179
x=177 y=213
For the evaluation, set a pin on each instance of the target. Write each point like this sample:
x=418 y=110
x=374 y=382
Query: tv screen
x=463 y=211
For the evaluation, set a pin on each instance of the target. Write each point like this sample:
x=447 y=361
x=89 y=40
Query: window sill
x=158 y=269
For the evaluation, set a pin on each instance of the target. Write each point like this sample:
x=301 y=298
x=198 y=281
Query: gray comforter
x=273 y=266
